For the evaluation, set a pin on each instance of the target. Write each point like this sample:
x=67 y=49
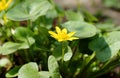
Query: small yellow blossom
x=61 y=35
x=4 y=4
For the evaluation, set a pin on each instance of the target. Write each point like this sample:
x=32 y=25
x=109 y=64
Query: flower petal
x=71 y=34
x=53 y=34
x=64 y=31
x=1 y=5
x=73 y=38
x=4 y=2
x=60 y=40
x=61 y=35
x=8 y=3
x=58 y=30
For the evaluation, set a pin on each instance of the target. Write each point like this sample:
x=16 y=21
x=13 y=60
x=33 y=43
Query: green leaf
x=22 y=33
x=68 y=54
x=72 y=16
x=105 y=26
x=82 y=29
x=44 y=74
x=89 y=17
x=112 y=3
x=52 y=64
x=9 y=47
x=13 y=72
x=113 y=37
x=1 y=14
x=52 y=13
x=53 y=67
x=57 y=52
x=106 y=47
x=29 y=70
x=27 y=43
x=29 y=10
x=101 y=47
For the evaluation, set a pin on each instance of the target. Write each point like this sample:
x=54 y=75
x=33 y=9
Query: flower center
x=63 y=36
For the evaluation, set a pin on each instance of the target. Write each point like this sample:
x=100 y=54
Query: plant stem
x=109 y=65
x=84 y=70
x=31 y=50
x=29 y=23
x=27 y=56
x=63 y=51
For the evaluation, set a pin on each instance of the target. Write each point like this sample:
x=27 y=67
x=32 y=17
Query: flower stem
x=63 y=50
x=63 y=54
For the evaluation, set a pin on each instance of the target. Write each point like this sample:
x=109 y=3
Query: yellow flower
x=4 y=4
x=61 y=35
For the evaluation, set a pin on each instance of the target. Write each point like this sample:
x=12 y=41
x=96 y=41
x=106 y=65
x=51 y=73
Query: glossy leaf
x=44 y=74
x=73 y=16
x=29 y=70
x=27 y=43
x=52 y=13
x=57 y=52
x=9 y=47
x=82 y=29
x=29 y=10
x=13 y=72
x=68 y=54
x=53 y=67
x=1 y=14
x=106 y=47
x=89 y=17
x=105 y=26
x=24 y=35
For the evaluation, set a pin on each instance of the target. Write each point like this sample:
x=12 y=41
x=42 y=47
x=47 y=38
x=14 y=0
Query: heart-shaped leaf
x=29 y=70
x=82 y=29
x=74 y=16
x=44 y=74
x=9 y=47
x=53 y=67
x=25 y=35
x=22 y=33
x=68 y=54
x=29 y=10
x=13 y=72
x=106 y=47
